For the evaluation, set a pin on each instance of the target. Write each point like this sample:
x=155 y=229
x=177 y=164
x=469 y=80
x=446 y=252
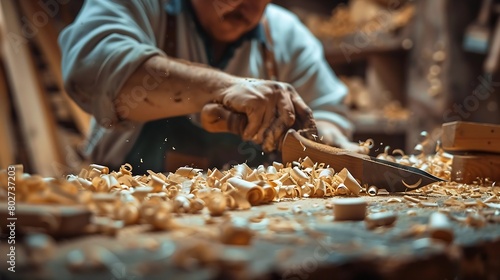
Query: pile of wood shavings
x=340 y=23
x=438 y=164
x=154 y=198
x=120 y=198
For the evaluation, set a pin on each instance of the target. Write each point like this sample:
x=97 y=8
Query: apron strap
x=268 y=52
x=171 y=36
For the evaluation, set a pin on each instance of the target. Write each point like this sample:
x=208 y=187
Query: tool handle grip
x=216 y=118
x=492 y=61
x=484 y=13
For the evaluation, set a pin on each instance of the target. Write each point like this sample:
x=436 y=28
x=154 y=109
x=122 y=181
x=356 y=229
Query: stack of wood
x=476 y=149
x=361 y=16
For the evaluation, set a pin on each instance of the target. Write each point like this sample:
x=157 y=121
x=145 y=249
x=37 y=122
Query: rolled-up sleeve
x=303 y=64
x=107 y=42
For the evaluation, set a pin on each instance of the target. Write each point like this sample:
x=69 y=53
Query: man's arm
x=113 y=69
x=164 y=87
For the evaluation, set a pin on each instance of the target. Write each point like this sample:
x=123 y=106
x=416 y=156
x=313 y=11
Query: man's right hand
x=271 y=108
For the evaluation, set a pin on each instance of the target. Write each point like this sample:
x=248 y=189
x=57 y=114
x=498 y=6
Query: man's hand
x=330 y=134
x=271 y=108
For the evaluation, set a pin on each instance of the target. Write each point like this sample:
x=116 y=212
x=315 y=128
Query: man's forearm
x=165 y=87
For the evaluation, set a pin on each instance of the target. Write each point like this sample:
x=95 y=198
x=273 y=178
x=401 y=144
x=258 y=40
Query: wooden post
x=46 y=39
x=36 y=119
x=7 y=148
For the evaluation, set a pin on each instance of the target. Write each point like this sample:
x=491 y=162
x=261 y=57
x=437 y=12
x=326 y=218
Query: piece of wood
x=471 y=137
x=55 y=220
x=36 y=119
x=7 y=148
x=320 y=248
x=46 y=39
x=468 y=168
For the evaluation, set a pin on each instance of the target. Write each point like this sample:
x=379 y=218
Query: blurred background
x=410 y=66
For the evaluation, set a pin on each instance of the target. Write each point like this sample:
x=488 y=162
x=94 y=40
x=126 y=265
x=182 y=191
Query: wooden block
x=471 y=137
x=467 y=168
x=58 y=221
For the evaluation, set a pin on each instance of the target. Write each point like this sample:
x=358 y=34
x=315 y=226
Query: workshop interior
x=410 y=191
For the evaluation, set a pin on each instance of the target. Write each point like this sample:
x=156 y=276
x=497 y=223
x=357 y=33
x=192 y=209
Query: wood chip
x=394 y=200
x=411 y=199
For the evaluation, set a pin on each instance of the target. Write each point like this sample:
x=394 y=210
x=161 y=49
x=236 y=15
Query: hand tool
x=477 y=34
x=383 y=174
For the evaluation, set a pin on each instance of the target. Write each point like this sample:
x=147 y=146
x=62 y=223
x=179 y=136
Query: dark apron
x=167 y=144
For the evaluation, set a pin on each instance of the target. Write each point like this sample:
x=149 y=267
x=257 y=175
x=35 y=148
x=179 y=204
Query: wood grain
x=36 y=118
x=7 y=146
x=46 y=38
x=471 y=137
x=296 y=146
x=467 y=168
x=327 y=247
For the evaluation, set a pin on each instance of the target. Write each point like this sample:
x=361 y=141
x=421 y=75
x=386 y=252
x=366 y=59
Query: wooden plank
x=7 y=148
x=56 y=220
x=36 y=119
x=46 y=38
x=319 y=248
x=471 y=137
x=468 y=168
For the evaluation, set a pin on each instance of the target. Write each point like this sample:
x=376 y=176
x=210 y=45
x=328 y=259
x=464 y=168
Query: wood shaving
x=394 y=200
x=411 y=199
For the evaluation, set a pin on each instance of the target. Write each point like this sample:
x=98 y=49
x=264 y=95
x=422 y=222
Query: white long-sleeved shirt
x=110 y=39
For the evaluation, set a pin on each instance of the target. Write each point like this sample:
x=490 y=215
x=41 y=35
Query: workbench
x=308 y=245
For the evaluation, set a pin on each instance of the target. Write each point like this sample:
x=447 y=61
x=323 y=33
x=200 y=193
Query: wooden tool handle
x=307 y=143
x=296 y=146
x=492 y=61
x=216 y=118
x=484 y=13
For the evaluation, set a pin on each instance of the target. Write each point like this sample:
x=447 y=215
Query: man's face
x=227 y=20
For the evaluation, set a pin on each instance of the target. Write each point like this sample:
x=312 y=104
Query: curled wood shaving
x=414 y=185
x=349 y=181
x=372 y=191
x=394 y=200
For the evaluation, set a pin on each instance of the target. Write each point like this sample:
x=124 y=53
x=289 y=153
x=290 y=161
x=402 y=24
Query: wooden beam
x=7 y=148
x=46 y=39
x=36 y=119
x=471 y=137
x=468 y=168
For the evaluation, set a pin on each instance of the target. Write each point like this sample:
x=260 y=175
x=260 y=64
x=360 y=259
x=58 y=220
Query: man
x=141 y=69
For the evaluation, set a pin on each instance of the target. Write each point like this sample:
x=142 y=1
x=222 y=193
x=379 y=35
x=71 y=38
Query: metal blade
x=390 y=176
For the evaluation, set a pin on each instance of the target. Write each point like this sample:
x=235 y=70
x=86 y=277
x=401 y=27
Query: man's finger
x=274 y=136
x=266 y=123
x=260 y=113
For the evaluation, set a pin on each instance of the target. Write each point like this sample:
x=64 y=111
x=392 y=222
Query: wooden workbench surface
x=310 y=245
